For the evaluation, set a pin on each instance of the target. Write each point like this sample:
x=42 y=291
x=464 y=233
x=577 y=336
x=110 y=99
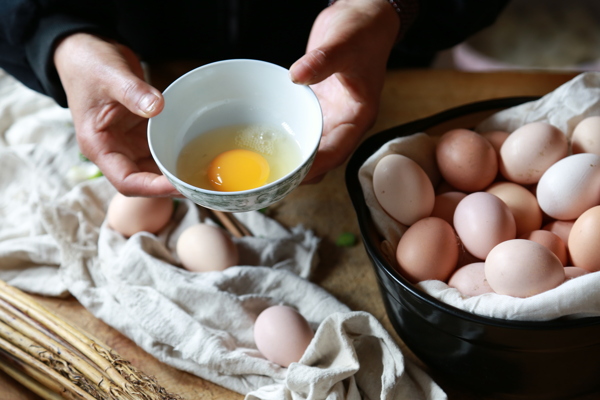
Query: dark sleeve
x=441 y=24
x=30 y=29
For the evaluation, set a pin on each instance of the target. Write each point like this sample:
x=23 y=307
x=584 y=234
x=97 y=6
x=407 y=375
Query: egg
x=466 y=160
x=470 y=280
x=586 y=136
x=522 y=204
x=202 y=247
x=530 y=150
x=482 y=221
x=130 y=215
x=496 y=139
x=584 y=240
x=573 y=272
x=551 y=240
x=444 y=187
x=282 y=334
x=465 y=258
x=445 y=204
x=522 y=268
x=403 y=189
x=238 y=169
x=562 y=229
x=570 y=186
x=428 y=249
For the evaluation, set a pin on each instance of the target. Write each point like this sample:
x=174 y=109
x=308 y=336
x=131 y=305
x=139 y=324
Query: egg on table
x=282 y=334
x=202 y=247
x=130 y=215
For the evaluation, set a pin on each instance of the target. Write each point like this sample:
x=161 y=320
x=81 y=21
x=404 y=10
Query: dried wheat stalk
x=34 y=336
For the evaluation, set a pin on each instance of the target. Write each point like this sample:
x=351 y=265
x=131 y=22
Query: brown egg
x=530 y=150
x=551 y=241
x=466 y=160
x=584 y=239
x=428 y=250
x=202 y=248
x=496 y=139
x=130 y=215
x=444 y=187
x=561 y=228
x=445 y=204
x=521 y=203
x=470 y=280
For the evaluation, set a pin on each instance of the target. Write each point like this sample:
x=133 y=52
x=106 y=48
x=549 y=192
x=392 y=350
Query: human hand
x=345 y=64
x=110 y=103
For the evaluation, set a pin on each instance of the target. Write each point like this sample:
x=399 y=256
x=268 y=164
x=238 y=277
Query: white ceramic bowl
x=233 y=92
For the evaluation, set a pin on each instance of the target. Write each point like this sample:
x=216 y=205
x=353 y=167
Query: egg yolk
x=238 y=169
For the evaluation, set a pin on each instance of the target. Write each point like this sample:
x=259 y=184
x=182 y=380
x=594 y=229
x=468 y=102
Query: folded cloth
x=54 y=241
x=564 y=108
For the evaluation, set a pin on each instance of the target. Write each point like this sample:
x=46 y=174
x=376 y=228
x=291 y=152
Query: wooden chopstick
x=231 y=223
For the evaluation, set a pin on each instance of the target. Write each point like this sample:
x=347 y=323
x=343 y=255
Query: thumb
x=132 y=90
x=317 y=65
x=138 y=96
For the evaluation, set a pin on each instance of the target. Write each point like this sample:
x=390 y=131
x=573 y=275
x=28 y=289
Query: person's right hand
x=110 y=103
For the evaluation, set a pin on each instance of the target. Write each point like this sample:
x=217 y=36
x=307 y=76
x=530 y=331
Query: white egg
x=570 y=186
x=202 y=247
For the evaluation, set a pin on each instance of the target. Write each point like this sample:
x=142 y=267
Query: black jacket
x=270 y=30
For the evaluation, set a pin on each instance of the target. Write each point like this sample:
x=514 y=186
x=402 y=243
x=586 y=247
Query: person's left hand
x=345 y=65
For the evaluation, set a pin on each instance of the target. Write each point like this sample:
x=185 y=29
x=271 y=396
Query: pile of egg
x=517 y=214
x=281 y=333
x=201 y=247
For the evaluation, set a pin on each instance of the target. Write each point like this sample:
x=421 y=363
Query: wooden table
x=326 y=209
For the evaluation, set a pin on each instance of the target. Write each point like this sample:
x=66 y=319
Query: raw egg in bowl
x=236 y=135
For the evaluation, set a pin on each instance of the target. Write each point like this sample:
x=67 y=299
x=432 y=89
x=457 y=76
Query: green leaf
x=346 y=239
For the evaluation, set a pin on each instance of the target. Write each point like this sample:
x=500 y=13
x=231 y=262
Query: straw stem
x=69 y=349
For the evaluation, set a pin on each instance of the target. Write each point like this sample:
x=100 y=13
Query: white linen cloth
x=564 y=108
x=54 y=240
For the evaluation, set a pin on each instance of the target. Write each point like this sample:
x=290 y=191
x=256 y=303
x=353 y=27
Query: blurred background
x=533 y=34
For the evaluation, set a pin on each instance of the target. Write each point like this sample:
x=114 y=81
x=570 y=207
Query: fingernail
x=292 y=75
x=148 y=103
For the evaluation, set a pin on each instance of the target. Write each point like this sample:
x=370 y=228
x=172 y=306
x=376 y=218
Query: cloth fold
x=54 y=241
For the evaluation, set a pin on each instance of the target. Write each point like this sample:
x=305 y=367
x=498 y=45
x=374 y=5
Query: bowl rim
x=369 y=146
x=254 y=191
